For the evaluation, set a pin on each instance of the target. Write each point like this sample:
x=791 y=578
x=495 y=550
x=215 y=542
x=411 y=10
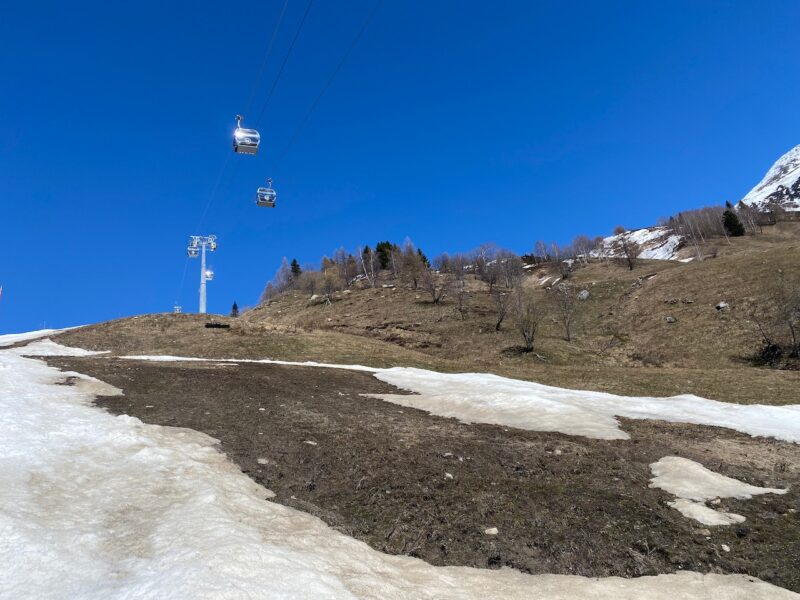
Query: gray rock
x=583 y=295
x=722 y=306
x=670 y=319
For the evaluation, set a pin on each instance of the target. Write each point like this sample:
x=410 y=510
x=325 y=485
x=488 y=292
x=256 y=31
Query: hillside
x=622 y=339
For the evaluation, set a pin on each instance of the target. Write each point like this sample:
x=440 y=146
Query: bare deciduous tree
x=510 y=266
x=331 y=282
x=625 y=248
x=411 y=264
x=369 y=264
x=436 y=285
x=309 y=282
x=501 y=305
x=778 y=317
x=566 y=303
x=461 y=298
x=528 y=316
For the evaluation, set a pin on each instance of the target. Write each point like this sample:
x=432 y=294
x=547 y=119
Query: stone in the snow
x=490 y=531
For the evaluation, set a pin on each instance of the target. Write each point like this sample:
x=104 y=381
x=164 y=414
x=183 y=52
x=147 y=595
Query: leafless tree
x=461 y=298
x=331 y=282
x=442 y=262
x=540 y=250
x=582 y=247
x=778 y=315
x=566 y=303
x=268 y=294
x=435 y=284
x=626 y=249
x=599 y=247
x=528 y=316
x=309 y=282
x=501 y=301
x=510 y=266
x=412 y=267
x=369 y=264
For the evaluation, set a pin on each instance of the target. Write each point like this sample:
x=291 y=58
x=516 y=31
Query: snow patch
x=13 y=338
x=655 y=243
x=485 y=398
x=693 y=484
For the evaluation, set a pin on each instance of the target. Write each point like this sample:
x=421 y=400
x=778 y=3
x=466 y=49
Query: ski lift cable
x=218 y=180
x=283 y=64
x=330 y=80
x=265 y=60
x=183 y=280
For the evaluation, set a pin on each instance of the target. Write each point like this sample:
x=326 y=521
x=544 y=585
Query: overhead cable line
x=265 y=60
x=330 y=80
x=283 y=64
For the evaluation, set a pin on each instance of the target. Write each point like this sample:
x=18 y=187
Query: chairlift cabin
x=192 y=251
x=266 y=196
x=212 y=246
x=209 y=274
x=245 y=141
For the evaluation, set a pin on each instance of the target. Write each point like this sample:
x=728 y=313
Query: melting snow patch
x=484 y=398
x=94 y=506
x=693 y=484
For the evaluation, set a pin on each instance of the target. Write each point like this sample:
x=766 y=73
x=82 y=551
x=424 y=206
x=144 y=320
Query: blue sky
x=453 y=123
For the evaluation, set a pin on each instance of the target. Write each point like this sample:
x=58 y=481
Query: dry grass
x=622 y=341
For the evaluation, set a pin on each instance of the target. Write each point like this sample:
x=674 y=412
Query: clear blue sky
x=452 y=122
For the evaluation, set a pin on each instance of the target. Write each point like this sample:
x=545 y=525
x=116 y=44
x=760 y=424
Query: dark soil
x=378 y=472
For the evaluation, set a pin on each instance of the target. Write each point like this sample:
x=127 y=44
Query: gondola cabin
x=266 y=196
x=245 y=141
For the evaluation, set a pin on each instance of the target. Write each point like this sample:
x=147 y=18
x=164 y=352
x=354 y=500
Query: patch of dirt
x=406 y=482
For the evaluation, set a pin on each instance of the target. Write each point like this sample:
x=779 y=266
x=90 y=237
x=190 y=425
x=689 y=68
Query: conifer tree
x=383 y=250
x=296 y=270
x=235 y=310
x=731 y=221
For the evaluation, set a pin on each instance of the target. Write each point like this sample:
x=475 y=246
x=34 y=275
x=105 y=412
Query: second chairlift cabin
x=266 y=196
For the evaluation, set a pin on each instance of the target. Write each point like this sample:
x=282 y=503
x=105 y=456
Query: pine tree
x=423 y=258
x=383 y=250
x=731 y=221
x=234 y=310
x=296 y=270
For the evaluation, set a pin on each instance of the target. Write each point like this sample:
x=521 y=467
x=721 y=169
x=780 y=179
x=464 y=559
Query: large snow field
x=486 y=398
x=94 y=506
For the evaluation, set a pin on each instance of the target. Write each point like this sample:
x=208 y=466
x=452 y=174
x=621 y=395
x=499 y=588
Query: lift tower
x=198 y=244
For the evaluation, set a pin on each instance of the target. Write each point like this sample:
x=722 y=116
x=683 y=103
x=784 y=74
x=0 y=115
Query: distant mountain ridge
x=780 y=187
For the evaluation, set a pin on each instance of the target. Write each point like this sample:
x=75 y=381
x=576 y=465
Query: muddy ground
x=379 y=472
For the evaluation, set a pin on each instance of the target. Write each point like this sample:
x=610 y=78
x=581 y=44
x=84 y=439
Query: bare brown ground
x=378 y=472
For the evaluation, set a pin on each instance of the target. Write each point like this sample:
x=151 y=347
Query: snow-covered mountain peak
x=780 y=186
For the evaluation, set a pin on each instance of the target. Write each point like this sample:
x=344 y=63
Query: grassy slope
x=621 y=344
